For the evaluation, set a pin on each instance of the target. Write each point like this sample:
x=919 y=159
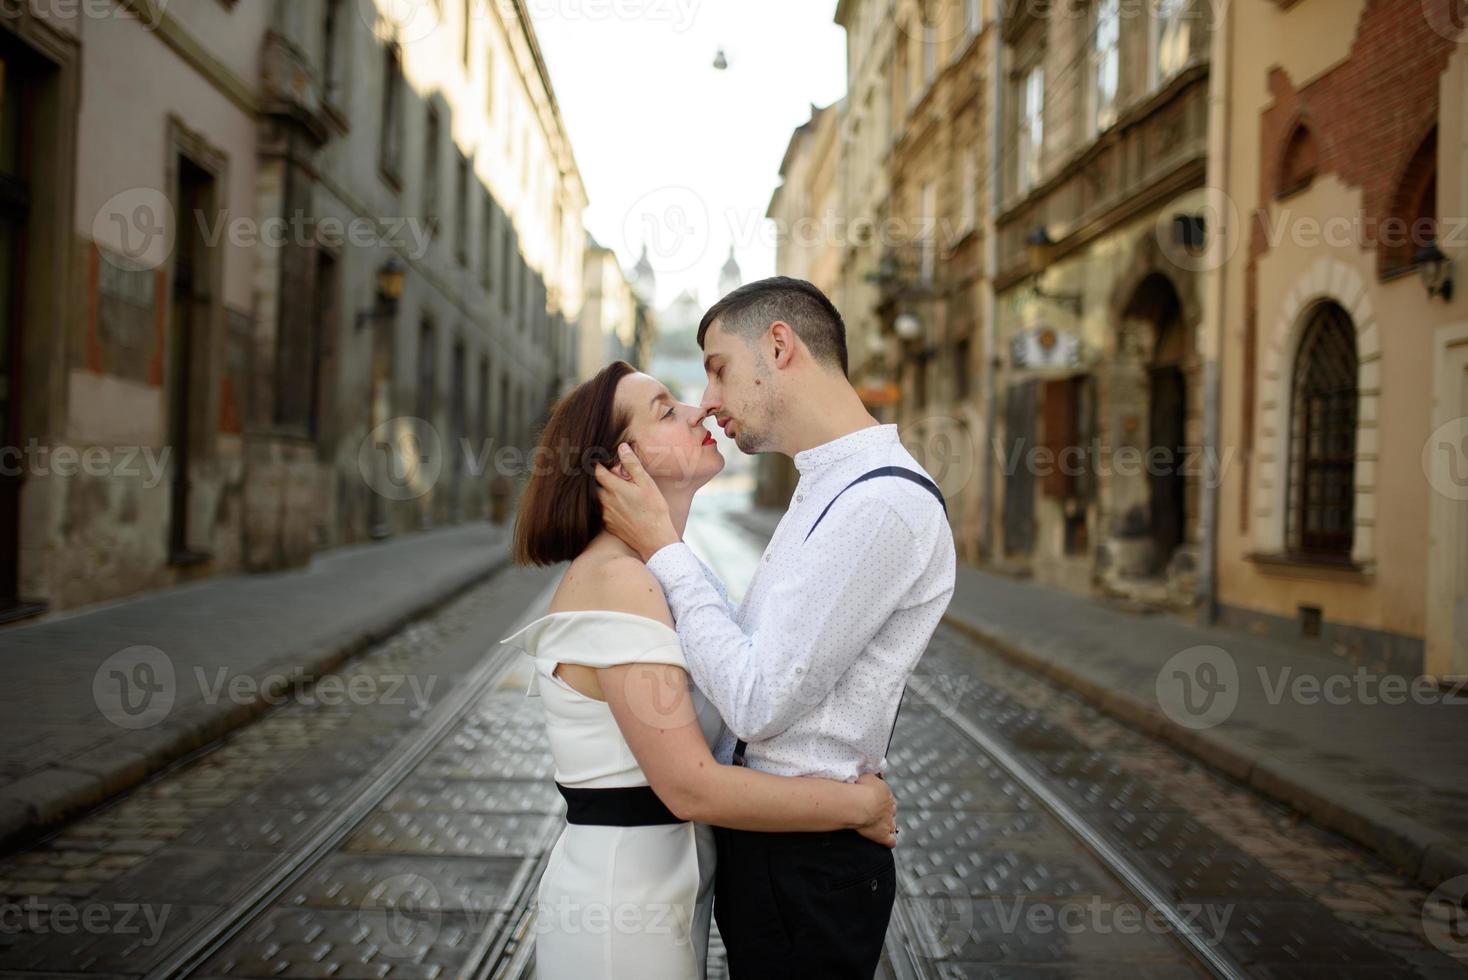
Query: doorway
x=17 y=100
x=191 y=304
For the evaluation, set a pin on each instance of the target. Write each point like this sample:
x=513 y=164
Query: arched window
x=1323 y=437
x=1297 y=166
x=1412 y=223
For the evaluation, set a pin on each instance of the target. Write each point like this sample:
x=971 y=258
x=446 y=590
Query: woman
x=627 y=888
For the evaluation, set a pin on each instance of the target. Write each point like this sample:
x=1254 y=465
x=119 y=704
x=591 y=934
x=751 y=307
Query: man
x=809 y=672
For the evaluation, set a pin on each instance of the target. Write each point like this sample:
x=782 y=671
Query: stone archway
x=1149 y=410
x=1336 y=281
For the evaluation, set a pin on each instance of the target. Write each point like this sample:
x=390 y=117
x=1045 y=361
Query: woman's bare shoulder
x=613 y=582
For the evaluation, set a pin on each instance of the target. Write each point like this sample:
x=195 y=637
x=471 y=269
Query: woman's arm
x=655 y=713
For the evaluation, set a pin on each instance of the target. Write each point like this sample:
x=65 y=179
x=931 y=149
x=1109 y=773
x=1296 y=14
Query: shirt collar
x=870 y=437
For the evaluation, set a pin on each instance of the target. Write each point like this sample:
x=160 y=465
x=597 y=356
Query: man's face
x=741 y=392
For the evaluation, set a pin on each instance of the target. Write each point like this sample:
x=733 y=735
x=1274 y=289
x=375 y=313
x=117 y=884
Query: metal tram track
x=904 y=959
x=212 y=935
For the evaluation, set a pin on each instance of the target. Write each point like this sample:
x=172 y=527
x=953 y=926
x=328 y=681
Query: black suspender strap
x=741 y=745
x=898 y=471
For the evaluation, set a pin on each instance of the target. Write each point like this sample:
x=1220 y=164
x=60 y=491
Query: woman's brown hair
x=559 y=514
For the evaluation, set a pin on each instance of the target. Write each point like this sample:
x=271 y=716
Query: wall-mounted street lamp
x=907 y=326
x=1039 y=247
x=1436 y=270
x=390 y=279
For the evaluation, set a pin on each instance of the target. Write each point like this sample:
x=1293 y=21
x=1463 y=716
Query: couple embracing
x=721 y=760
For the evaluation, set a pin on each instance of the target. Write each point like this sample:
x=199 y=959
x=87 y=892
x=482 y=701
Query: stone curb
x=36 y=804
x=1422 y=852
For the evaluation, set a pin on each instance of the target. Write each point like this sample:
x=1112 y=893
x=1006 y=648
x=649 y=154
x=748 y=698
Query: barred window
x=1323 y=436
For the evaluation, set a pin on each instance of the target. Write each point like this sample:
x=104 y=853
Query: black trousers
x=810 y=906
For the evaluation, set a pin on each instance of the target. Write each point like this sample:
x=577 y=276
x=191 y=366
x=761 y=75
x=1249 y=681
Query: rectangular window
x=427 y=371
x=481 y=425
x=468 y=31
x=970 y=176
x=507 y=256
x=489 y=88
x=973 y=15
x=929 y=231
x=1105 y=64
x=930 y=54
x=458 y=411
x=431 y=139
x=331 y=55
x=1172 y=38
x=391 y=147
x=1031 y=127
x=486 y=257
x=461 y=213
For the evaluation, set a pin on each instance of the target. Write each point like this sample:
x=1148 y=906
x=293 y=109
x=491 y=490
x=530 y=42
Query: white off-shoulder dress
x=615 y=901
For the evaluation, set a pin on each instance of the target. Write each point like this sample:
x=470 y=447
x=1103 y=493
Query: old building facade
x=1343 y=513
x=931 y=282
x=253 y=265
x=805 y=208
x=1099 y=393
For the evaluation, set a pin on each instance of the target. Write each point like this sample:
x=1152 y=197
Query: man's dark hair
x=749 y=310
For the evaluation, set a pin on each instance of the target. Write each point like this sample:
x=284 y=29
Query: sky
x=674 y=153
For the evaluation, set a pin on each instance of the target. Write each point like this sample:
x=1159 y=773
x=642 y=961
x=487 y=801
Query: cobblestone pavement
x=418 y=887
x=395 y=828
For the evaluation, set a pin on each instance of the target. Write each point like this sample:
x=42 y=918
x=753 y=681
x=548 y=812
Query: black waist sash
x=616 y=806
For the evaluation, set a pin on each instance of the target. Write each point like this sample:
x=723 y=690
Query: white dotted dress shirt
x=810 y=669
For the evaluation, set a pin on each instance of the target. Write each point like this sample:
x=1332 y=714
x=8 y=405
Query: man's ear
x=782 y=340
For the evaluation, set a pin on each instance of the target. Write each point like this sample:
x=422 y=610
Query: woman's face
x=673 y=440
